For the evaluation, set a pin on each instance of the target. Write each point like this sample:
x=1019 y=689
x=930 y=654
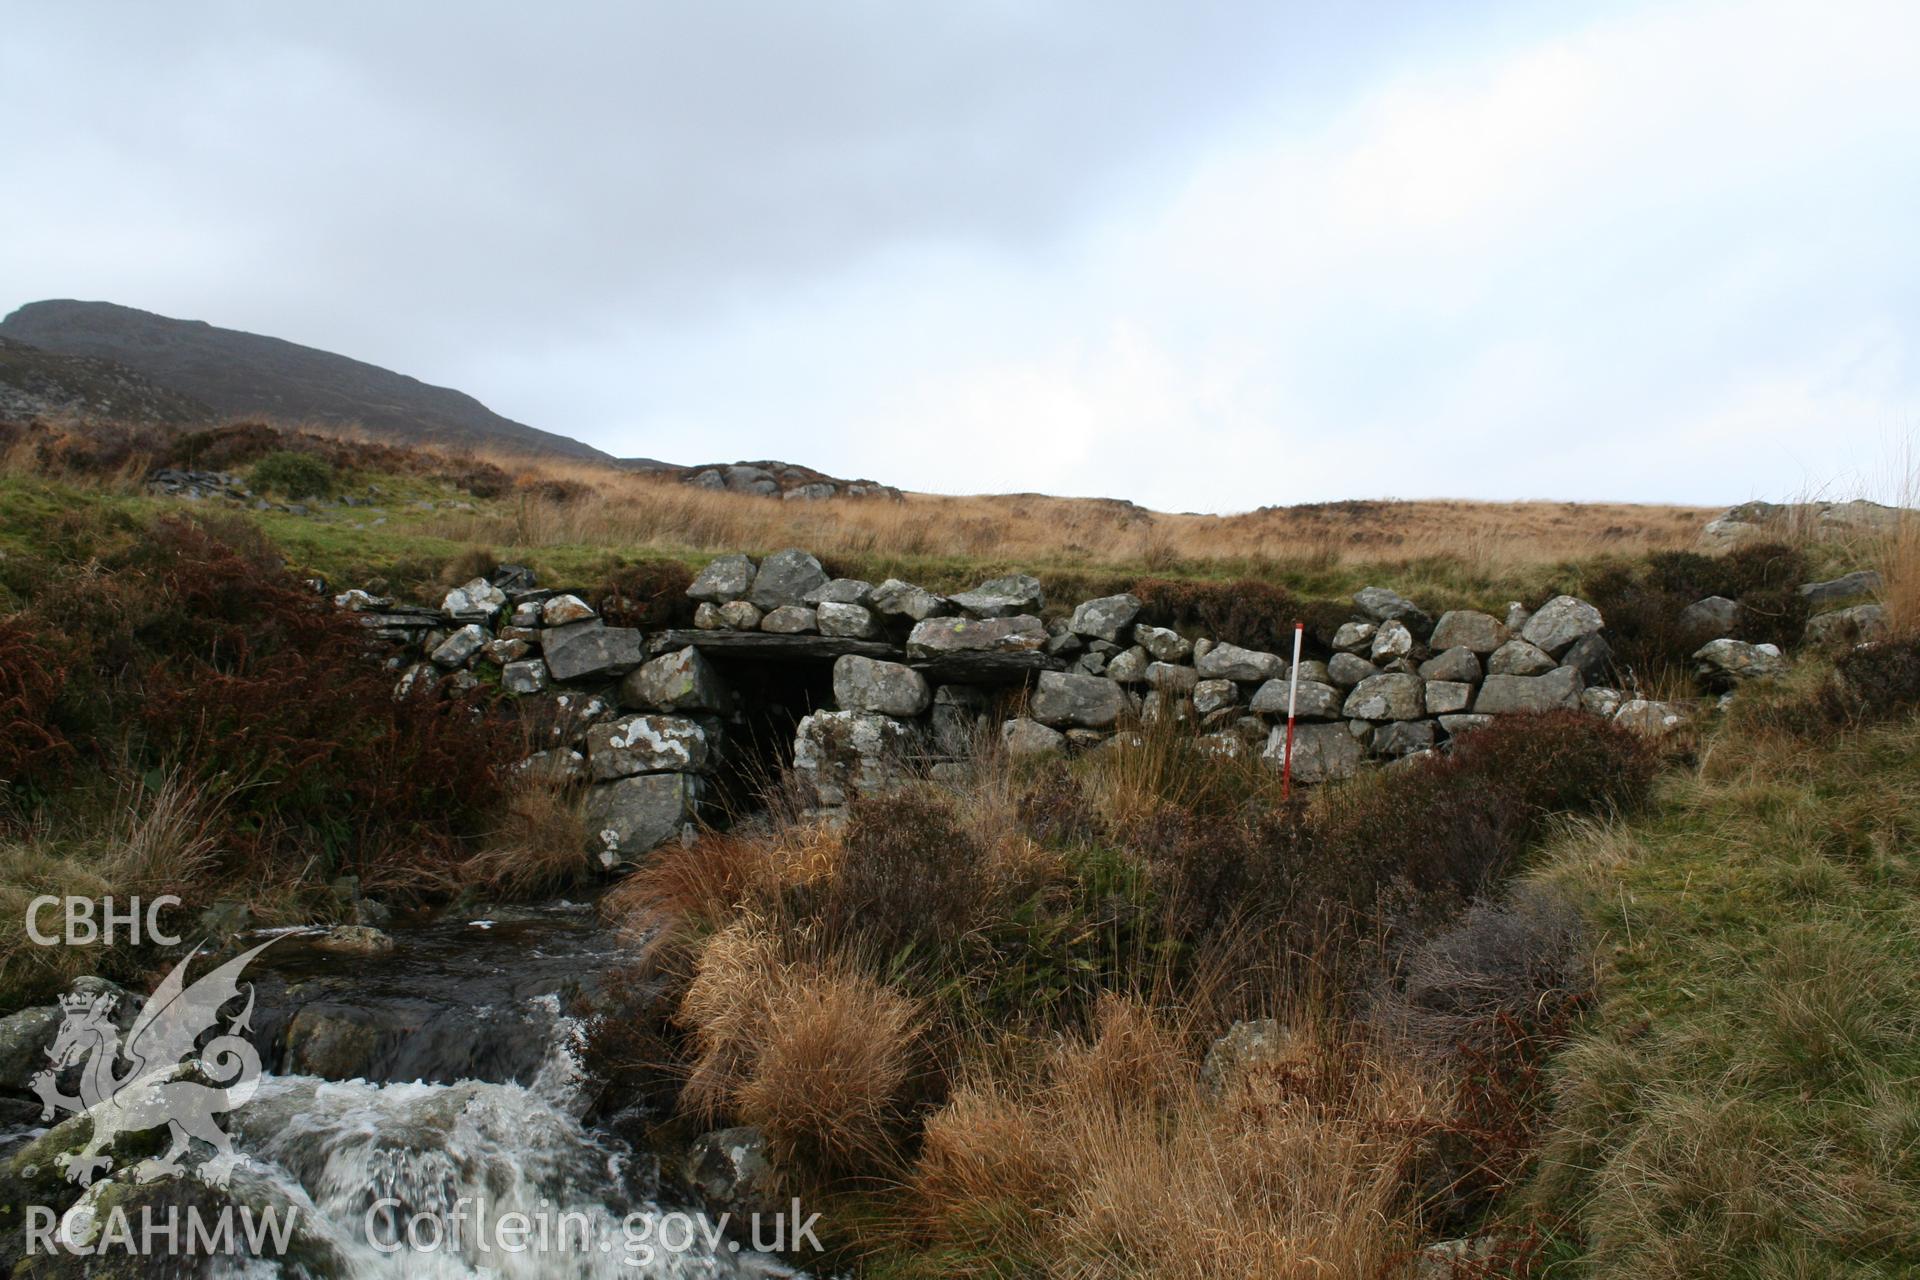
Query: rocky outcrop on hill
x=1751 y=521
x=778 y=480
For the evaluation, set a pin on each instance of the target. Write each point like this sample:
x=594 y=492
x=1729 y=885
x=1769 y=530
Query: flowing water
x=462 y=1151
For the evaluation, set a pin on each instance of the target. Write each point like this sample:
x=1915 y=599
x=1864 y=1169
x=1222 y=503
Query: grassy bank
x=1743 y=1101
x=418 y=509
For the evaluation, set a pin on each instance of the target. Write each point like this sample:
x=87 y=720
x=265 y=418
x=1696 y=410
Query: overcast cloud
x=1205 y=256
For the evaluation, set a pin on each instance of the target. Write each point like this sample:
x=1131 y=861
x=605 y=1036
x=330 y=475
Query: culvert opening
x=772 y=697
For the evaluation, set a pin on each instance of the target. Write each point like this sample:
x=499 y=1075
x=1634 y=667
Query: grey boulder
x=1558 y=623
x=790 y=620
x=725 y=578
x=840 y=591
x=1349 y=669
x=1457 y=663
x=1231 y=662
x=1062 y=700
x=1321 y=752
x=1478 y=633
x=1027 y=737
x=1712 y=616
x=1106 y=618
x=1164 y=644
x=1557 y=689
x=871 y=684
x=645 y=744
x=1654 y=719
x=1391 y=640
x=848 y=620
x=785 y=577
x=1003 y=597
x=1315 y=700
x=589 y=649
x=937 y=636
x=1519 y=658
x=1723 y=663
x=896 y=599
x=1383 y=605
x=1860 y=624
x=632 y=815
x=679 y=681
x=1391 y=696
x=1864 y=582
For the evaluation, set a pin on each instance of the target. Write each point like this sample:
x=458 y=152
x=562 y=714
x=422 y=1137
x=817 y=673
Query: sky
x=1204 y=256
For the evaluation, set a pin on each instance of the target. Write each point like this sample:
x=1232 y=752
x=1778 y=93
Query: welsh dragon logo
x=160 y=1075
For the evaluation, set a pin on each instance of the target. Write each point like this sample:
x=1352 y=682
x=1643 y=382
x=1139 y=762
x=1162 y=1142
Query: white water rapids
x=454 y=1162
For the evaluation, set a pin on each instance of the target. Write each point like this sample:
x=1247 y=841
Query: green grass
x=1746 y=1100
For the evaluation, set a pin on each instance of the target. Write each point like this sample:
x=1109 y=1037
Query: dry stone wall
x=920 y=682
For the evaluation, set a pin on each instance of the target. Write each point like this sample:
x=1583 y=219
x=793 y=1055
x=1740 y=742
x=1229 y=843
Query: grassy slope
x=1744 y=1102
x=424 y=527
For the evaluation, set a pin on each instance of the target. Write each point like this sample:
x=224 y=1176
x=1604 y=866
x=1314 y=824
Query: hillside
x=236 y=373
x=36 y=383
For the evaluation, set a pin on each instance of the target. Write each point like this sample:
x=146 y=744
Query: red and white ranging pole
x=1293 y=687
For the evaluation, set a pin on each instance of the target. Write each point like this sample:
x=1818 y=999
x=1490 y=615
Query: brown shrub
x=1445 y=827
x=32 y=676
x=199 y=640
x=908 y=881
x=1642 y=602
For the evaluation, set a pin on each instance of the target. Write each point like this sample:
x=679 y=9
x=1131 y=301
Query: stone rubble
x=920 y=681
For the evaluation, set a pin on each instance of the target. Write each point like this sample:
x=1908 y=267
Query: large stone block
x=870 y=684
x=785 y=577
x=843 y=753
x=1231 y=662
x=1478 y=633
x=1391 y=696
x=631 y=815
x=590 y=649
x=1321 y=752
x=1003 y=597
x=1383 y=605
x=1557 y=689
x=1106 y=618
x=1558 y=623
x=725 y=578
x=902 y=600
x=1316 y=700
x=645 y=744
x=936 y=636
x=1061 y=700
x=677 y=681
x=1028 y=737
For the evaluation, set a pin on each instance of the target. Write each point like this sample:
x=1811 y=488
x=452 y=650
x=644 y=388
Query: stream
x=458 y=1147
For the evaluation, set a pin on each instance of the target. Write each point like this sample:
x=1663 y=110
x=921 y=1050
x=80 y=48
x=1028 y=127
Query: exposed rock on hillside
x=36 y=383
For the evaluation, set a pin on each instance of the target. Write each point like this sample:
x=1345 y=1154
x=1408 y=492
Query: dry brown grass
x=817 y=1054
x=610 y=507
x=651 y=511
x=1896 y=554
x=1112 y=1156
x=536 y=848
